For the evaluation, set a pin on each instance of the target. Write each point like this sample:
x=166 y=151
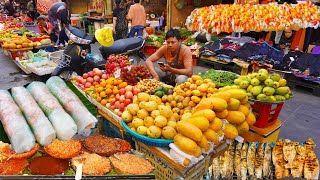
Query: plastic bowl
x=144 y=139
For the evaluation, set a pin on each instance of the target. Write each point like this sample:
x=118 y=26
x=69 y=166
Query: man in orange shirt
x=45 y=27
x=138 y=18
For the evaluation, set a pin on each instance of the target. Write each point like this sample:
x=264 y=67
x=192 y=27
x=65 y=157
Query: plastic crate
x=17 y=54
x=113 y=131
x=266 y=113
x=150 y=49
x=165 y=170
x=269 y=134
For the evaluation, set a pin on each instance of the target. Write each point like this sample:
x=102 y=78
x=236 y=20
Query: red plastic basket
x=266 y=113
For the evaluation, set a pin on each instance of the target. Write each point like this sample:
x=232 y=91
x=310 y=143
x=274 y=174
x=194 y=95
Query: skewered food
x=92 y=164
x=64 y=149
x=251 y=159
x=237 y=162
x=47 y=165
x=259 y=161
x=244 y=162
x=267 y=161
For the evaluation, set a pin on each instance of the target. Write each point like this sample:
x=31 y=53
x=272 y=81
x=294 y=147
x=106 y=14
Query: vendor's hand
x=282 y=46
x=165 y=68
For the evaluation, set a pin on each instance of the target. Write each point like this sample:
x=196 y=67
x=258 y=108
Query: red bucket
x=266 y=113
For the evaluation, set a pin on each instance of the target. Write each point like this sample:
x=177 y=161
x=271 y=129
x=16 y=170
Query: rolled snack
x=73 y=105
x=61 y=121
x=39 y=123
x=15 y=125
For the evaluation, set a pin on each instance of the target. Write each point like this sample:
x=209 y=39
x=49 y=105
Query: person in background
x=161 y=22
x=286 y=39
x=137 y=15
x=31 y=10
x=178 y=57
x=25 y=18
x=120 y=24
x=45 y=27
x=8 y=6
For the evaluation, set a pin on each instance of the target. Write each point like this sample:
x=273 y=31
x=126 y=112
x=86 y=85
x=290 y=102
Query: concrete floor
x=300 y=116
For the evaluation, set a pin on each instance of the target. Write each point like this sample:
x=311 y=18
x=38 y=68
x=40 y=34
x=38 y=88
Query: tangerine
x=109 y=86
x=103 y=94
x=108 y=91
x=99 y=89
x=99 y=98
x=104 y=102
x=115 y=91
x=103 y=83
x=123 y=85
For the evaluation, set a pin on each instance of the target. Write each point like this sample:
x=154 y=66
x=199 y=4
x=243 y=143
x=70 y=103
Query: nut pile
x=147 y=85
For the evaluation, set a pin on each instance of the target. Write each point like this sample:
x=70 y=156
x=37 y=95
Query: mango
x=186 y=145
x=189 y=130
x=224 y=95
x=235 y=117
x=244 y=110
x=214 y=103
x=201 y=122
x=230 y=132
x=203 y=87
x=207 y=113
x=239 y=94
x=233 y=104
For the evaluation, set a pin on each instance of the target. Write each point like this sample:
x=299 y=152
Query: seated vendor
x=47 y=28
x=178 y=60
x=286 y=39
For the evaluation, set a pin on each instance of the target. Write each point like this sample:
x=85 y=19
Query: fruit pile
x=243 y=18
x=134 y=74
x=13 y=24
x=115 y=62
x=265 y=87
x=121 y=100
x=148 y=85
x=162 y=90
x=92 y=78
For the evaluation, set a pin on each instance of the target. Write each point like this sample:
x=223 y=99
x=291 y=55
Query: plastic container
x=145 y=139
x=266 y=113
x=269 y=134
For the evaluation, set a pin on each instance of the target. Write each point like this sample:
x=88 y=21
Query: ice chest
x=268 y=134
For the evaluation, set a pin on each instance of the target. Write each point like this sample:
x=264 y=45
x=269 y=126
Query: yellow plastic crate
x=268 y=134
x=167 y=169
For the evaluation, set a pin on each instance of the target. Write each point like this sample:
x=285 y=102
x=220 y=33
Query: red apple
x=96 y=78
x=129 y=95
x=128 y=88
x=104 y=76
x=121 y=107
x=95 y=83
x=136 y=91
x=122 y=91
x=85 y=75
x=113 y=101
x=117 y=104
x=113 y=107
x=122 y=98
x=88 y=84
x=98 y=72
x=90 y=79
x=127 y=102
x=79 y=78
x=90 y=74
x=83 y=81
x=117 y=96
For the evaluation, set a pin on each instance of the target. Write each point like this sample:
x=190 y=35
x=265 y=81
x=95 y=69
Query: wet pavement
x=300 y=116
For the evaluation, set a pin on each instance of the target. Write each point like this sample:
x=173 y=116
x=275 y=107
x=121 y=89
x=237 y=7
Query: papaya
x=211 y=135
x=235 y=117
x=45 y=41
x=222 y=114
x=201 y=122
x=224 y=95
x=207 y=113
x=214 y=103
x=204 y=144
x=187 y=145
x=216 y=125
x=243 y=128
x=244 y=110
x=251 y=119
x=189 y=130
x=239 y=94
x=230 y=131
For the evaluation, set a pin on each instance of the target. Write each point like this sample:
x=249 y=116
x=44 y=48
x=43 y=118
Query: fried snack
x=92 y=164
x=13 y=166
x=102 y=145
x=7 y=152
x=130 y=164
x=64 y=149
x=47 y=165
x=125 y=146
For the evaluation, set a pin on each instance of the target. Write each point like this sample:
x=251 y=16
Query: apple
x=116 y=110
x=90 y=74
x=117 y=104
x=90 y=79
x=117 y=97
x=95 y=83
x=79 y=78
x=104 y=76
x=113 y=101
x=122 y=98
x=122 y=107
x=98 y=72
x=87 y=85
x=136 y=91
x=129 y=95
x=128 y=88
x=83 y=81
x=95 y=70
x=96 y=78
x=85 y=75
x=108 y=105
x=122 y=91
x=113 y=107
x=127 y=102
x=119 y=114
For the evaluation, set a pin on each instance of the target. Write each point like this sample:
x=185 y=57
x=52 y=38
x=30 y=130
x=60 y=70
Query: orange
x=115 y=91
x=99 y=99
x=123 y=85
x=103 y=94
x=108 y=91
x=110 y=81
x=104 y=102
x=99 y=89
x=96 y=86
x=103 y=83
x=109 y=86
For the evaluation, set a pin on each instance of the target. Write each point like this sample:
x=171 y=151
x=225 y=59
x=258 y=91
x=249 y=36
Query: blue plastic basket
x=144 y=139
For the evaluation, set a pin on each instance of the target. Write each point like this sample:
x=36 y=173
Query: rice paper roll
x=73 y=105
x=15 y=125
x=39 y=123
x=60 y=120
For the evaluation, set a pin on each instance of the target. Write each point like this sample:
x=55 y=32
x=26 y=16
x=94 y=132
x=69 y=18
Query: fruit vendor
x=178 y=60
x=46 y=27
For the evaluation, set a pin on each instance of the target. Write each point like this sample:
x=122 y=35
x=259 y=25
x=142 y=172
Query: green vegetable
x=220 y=78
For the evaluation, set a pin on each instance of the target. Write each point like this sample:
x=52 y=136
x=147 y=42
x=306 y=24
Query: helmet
x=59 y=12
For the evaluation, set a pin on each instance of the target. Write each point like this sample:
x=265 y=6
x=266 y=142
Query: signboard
x=43 y=6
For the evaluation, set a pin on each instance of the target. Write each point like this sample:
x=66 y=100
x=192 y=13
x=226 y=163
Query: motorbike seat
x=123 y=45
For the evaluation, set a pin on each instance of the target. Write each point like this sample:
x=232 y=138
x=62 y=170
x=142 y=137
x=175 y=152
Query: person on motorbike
x=45 y=27
x=178 y=66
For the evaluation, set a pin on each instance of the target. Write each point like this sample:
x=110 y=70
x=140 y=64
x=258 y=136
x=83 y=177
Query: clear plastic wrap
x=39 y=123
x=61 y=121
x=73 y=105
x=15 y=125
